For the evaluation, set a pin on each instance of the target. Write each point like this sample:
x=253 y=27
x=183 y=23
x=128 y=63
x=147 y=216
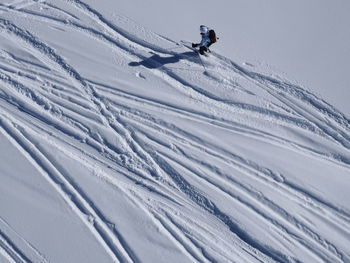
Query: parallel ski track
x=286 y=215
x=285 y=91
x=167 y=229
x=257 y=173
x=95 y=15
x=50 y=57
x=178 y=81
x=309 y=124
x=108 y=236
x=267 y=251
x=11 y=251
x=173 y=132
x=49 y=88
x=263 y=81
x=319 y=130
x=45 y=119
x=35 y=255
x=156 y=216
x=180 y=135
x=150 y=188
x=230 y=125
x=107 y=24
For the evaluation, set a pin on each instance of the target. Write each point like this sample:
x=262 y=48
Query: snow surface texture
x=121 y=145
x=307 y=40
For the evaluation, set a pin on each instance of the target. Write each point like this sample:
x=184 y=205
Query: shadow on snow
x=156 y=61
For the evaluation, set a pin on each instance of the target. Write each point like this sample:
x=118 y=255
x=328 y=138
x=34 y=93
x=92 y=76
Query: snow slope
x=118 y=144
x=308 y=41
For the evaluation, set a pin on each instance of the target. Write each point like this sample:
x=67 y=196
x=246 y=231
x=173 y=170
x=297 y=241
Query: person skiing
x=208 y=38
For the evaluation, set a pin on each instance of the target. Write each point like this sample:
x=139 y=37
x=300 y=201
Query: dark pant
x=202 y=49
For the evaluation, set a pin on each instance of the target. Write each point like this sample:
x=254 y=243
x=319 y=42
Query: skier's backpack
x=212 y=36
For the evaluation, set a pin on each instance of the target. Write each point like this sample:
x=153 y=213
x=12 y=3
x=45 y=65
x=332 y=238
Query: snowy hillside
x=120 y=144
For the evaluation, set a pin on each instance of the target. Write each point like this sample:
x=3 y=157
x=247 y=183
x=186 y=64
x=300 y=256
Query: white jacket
x=205 y=39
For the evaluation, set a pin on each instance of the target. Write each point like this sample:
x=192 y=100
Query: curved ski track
x=150 y=150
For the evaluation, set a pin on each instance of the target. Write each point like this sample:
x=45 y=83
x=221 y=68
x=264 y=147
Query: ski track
x=308 y=112
x=211 y=208
x=180 y=135
x=193 y=252
x=289 y=219
x=208 y=119
x=75 y=198
x=35 y=255
x=11 y=251
x=275 y=208
x=313 y=126
x=299 y=123
x=149 y=188
x=156 y=216
x=286 y=91
x=71 y=72
x=262 y=112
x=274 y=223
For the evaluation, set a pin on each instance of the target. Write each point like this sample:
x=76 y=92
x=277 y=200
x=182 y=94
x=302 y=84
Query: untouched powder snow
x=120 y=144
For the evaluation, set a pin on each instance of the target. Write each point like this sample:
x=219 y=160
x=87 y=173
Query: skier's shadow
x=156 y=61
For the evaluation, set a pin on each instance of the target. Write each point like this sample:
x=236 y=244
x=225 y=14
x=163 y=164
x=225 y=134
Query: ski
x=188 y=45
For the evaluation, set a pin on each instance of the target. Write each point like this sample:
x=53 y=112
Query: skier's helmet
x=203 y=29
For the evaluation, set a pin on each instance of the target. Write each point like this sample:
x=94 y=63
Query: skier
x=208 y=38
